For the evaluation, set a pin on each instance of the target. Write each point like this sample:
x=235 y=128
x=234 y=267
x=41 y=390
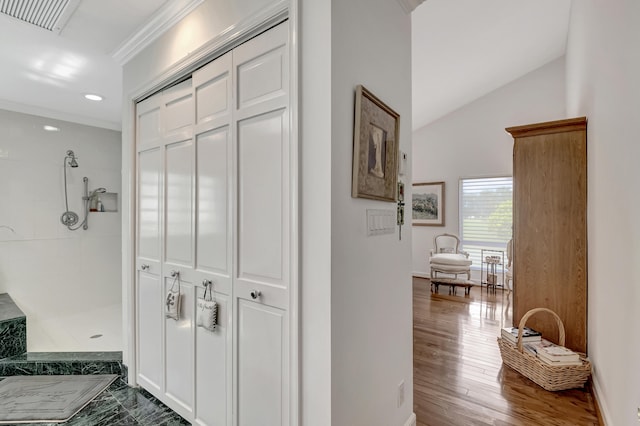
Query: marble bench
x=13 y=328
x=453 y=284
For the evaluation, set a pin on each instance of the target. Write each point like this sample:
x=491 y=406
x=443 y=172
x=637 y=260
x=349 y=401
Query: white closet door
x=261 y=290
x=177 y=117
x=148 y=226
x=213 y=98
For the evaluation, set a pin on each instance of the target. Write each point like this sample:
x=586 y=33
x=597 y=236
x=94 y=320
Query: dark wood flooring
x=459 y=378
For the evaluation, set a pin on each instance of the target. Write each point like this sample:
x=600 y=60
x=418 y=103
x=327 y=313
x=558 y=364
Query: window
x=485 y=215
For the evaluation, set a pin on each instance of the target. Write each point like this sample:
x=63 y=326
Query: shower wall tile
x=43 y=264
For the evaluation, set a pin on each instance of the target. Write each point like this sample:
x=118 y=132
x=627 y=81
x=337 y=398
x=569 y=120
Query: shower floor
x=99 y=330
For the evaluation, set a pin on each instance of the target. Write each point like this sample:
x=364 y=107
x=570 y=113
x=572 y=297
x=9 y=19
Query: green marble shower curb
x=63 y=363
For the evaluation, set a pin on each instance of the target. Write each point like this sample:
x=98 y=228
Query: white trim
x=163 y=19
x=597 y=394
x=410 y=5
x=295 y=327
x=58 y=115
x=421 y=274
x=411 y=421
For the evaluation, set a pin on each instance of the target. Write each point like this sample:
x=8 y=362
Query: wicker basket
x=550 y=377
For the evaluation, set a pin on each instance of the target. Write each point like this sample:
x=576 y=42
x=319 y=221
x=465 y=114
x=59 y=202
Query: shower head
x=97 y=191
x=72 y=162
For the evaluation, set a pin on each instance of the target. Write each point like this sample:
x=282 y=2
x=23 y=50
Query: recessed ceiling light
x=51 y=128
x=93 y=97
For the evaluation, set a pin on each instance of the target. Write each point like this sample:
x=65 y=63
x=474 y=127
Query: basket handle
x=533 y=311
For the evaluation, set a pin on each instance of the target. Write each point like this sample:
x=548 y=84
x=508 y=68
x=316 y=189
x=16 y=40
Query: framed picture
x=427 y=204
x=375 y=148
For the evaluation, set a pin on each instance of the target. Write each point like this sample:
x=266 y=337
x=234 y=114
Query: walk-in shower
x=69 y=218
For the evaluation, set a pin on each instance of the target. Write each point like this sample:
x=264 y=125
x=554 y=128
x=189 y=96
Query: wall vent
x=52 y=15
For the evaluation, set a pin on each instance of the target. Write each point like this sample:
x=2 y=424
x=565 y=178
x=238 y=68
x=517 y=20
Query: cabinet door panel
x=261 y=388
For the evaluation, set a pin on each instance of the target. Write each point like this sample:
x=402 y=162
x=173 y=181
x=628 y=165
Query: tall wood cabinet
x=214 y=203
x=550 y=226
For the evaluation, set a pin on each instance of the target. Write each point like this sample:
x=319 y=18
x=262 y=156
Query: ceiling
x=462 y=49
x=47 y=73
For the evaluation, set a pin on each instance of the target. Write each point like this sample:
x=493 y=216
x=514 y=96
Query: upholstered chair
x=446 y=258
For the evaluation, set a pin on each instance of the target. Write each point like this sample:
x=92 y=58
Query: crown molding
x=167 y=16
x=58 y=115
x=410 y=5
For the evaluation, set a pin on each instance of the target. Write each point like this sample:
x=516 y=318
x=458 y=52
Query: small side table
x=492 y=268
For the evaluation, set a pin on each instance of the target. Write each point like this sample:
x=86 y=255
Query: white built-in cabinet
x=214 y=201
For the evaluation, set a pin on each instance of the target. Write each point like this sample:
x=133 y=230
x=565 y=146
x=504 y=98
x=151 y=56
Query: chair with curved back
x=446 y=257
x=508 y=275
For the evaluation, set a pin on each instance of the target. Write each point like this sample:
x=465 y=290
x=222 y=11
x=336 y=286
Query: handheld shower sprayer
x=69 y=218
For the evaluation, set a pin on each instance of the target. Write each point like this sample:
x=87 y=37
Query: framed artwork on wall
x=427 y=204
x=375 y=148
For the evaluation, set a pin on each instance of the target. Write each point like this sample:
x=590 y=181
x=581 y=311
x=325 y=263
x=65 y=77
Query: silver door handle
x=144 y=267
x=255 y=294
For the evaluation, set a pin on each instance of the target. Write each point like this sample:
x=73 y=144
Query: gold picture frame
x=427 y=204
x=375 y=148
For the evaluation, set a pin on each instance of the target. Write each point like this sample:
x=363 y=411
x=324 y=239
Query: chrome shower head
x=97 y=191
x=72 y=162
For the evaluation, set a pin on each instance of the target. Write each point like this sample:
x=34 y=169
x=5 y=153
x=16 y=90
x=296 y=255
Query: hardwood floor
x=459 y=378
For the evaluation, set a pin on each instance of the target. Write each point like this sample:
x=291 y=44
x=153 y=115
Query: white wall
x=48 y=270
x=371 y=291
x=603 y=65
x=472 y=142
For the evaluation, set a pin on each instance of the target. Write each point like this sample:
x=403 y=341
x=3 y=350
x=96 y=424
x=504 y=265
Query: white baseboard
x=411 y=421
x=604 y=411
x=421 y=274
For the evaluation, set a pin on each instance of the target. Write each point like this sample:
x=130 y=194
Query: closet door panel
x=213 y=91
x=178 y=110
x=148 y=204
x=179 y=348
x=149 y=329
x=148 y=119
x=261 y=71
x=179 y=203
x=260 y=197
x=213 y=242
x=213 y=367
x=261 y=354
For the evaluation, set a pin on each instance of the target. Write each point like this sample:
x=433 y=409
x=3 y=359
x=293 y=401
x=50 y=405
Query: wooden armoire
x=550 y=226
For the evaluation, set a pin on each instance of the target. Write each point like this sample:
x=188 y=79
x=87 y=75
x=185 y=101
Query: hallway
x=459 y=378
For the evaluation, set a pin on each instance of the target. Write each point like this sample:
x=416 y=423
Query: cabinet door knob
x=206 y=282
x=255 y=294
x=174 y=273
x=144 y=267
